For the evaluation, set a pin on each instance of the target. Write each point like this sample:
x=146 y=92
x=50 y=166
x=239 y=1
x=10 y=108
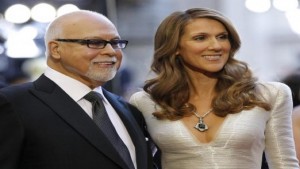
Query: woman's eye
x=223 y=37
x=199 y=38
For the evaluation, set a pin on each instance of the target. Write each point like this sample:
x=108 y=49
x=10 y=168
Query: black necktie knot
x=93 y=97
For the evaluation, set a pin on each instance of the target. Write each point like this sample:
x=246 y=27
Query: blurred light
x=28 y=32
x=258 y=6
x=285 y=5
x=1 y=49
x=34 y=67
x=17 y=13
x=293 y=18
x=6 y=28
x=22 y=49
x=43 y=12
x=21 y=45
x=67 y=8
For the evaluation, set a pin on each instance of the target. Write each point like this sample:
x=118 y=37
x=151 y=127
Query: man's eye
x=96 y=42
x=114 y=42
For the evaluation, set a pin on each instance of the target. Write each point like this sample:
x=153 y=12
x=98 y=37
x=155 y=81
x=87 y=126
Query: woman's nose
x=215 y=44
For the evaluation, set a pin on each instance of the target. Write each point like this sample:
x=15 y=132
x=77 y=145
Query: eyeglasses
x=96 y=43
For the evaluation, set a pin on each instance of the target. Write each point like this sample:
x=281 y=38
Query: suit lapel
x=132 y=127
x=74 y=115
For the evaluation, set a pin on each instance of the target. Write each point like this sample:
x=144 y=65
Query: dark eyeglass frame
x=97 y=43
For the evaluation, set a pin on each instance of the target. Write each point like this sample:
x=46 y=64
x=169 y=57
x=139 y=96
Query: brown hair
x=236 y=87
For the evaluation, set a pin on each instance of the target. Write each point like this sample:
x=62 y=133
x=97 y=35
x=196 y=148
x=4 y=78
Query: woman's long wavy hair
x=236 y=86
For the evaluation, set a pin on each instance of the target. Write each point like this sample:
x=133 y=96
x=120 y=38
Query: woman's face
x=204 y=46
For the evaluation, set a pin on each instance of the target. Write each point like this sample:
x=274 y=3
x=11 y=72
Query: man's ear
x=54 y=49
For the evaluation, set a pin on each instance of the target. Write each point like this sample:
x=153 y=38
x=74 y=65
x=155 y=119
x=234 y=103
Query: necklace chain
x=205 y=114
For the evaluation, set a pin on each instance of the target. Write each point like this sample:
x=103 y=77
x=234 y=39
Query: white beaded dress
x=240 y=141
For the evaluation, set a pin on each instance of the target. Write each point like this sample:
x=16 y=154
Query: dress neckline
x=216 y=136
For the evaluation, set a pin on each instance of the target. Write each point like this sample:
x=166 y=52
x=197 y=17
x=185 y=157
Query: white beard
x=103 y=76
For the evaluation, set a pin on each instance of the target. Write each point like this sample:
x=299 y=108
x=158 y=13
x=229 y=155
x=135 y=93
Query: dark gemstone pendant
x=201 y=126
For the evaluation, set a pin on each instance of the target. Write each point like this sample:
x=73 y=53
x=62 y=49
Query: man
x=48 y=124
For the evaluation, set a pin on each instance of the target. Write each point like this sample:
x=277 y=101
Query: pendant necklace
x=201 y=126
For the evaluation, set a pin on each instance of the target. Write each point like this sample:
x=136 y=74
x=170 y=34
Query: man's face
x=91 y=66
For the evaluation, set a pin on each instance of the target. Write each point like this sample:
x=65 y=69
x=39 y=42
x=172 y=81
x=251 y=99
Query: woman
x=204 y=109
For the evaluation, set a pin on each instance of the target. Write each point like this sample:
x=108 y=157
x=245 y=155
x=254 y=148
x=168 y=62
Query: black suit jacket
x=41 y=127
